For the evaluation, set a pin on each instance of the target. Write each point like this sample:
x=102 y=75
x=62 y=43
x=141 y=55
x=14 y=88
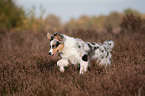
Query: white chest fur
x=72 y=55
x=70 y=51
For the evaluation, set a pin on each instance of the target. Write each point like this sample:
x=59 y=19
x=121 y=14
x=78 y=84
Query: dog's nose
x=49 y=53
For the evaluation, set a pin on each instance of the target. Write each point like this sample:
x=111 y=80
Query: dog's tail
x=109 y=44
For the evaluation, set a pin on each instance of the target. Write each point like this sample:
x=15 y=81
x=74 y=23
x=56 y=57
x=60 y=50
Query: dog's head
x=56 y=43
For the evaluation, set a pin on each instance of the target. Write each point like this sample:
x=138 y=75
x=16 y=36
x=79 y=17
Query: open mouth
x=55 y=54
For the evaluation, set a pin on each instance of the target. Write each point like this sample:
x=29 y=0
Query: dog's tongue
x=55 y=54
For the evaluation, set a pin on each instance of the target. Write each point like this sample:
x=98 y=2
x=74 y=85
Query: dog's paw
x=82 y=71
x=61 y=69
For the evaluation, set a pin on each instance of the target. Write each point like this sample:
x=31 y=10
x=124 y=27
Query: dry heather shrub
x=131 y=24
x=26 y=69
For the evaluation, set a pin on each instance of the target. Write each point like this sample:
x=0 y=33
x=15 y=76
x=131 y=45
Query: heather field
x=26 y=69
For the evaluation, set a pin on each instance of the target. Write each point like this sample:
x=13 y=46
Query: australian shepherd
x=77 y=51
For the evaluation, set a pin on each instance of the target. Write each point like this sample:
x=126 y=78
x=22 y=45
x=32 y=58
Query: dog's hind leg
x=83 y=66
x=62 y=63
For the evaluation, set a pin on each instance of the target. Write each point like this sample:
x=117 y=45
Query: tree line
x=14 y=17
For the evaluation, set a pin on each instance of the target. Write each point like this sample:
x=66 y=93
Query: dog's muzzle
x=49 y=53
x=55 y=54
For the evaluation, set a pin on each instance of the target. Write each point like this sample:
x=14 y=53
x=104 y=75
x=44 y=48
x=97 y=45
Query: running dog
x=77 y=51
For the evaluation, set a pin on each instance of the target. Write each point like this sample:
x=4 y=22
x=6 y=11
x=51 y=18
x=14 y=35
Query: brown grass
x=27 y=70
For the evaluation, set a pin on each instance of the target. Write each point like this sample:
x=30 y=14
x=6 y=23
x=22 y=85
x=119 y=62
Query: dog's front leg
x=62 y=63
x=83 y=66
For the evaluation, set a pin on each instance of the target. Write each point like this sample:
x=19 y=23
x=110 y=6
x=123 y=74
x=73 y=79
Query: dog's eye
x=56 y=45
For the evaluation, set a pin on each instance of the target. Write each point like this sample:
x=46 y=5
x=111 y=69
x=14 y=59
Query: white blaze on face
x=51 y=50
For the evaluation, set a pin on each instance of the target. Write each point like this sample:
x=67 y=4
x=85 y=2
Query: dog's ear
x=58 y=36
x=49 y=35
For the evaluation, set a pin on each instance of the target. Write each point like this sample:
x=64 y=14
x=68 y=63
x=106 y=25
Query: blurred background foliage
x=15 y=18
x=11 y=16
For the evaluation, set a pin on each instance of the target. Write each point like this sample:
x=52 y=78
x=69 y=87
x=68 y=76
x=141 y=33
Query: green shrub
x=10 y=15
